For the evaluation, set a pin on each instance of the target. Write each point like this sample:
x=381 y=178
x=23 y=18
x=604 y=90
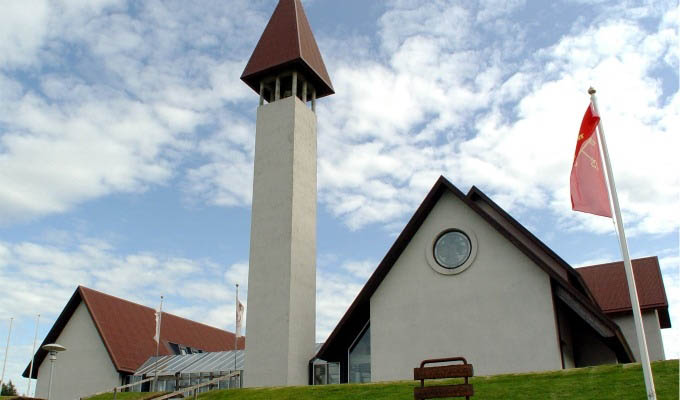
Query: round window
x=452 y=249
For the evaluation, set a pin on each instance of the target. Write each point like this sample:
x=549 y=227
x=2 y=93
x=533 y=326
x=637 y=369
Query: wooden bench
x=463 y=370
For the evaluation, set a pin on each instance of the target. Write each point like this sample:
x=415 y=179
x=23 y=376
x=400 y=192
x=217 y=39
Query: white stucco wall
x=498 y=313
x=650 y=320
x=282 y=274
x=84 y=368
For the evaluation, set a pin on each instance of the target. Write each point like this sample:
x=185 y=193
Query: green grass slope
x=615 y=382
x=128 y=396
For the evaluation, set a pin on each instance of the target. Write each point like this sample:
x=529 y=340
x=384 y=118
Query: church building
x=463 y=279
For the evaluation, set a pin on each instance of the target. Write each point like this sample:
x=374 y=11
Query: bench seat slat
x=448 y=371
x=436 y=392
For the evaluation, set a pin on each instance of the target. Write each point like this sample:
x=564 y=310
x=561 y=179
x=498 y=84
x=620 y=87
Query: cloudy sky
x=126 y=140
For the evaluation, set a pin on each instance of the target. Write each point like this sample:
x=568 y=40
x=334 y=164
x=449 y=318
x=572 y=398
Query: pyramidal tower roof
x=288 y=43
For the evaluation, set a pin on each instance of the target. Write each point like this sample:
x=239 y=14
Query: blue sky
x=126 y=140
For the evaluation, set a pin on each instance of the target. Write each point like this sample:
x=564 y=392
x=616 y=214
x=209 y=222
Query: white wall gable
x=498 y=313
x=84 y=368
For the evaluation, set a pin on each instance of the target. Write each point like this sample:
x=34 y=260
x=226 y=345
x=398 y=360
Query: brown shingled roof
x=127 y=330
x=608 y=284
x=288 y=42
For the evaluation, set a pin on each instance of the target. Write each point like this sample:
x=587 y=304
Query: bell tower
x=288 y=73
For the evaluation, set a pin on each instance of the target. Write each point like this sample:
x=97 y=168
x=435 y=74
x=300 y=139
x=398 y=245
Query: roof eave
x=323 y=88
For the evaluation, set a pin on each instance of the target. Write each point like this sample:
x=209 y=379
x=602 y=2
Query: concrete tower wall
x=282 y=274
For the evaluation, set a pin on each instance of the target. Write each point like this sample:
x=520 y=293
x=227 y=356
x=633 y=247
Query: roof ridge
x=153 y=309
x=115 y=297
x=616 y=262
x=297 y=27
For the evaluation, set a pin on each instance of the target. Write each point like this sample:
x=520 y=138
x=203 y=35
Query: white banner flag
x=239 y=318
x=157 y=336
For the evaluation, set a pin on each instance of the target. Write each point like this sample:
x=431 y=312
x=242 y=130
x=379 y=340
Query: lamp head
x=54 y=347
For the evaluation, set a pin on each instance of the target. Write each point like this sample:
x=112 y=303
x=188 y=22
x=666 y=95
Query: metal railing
x=119 y=388
x=195 y=388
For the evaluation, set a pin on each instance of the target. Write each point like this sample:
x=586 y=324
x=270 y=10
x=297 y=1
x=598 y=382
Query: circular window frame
x=431 y=260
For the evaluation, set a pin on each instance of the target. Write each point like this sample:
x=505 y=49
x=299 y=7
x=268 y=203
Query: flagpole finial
x=591 y=91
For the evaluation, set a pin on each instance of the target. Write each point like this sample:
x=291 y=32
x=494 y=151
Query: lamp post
x=53 y=349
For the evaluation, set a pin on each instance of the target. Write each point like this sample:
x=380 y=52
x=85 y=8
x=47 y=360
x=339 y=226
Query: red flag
x=588 y=188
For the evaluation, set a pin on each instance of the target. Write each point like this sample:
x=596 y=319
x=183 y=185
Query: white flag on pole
x=239 y=317
x=157 y=335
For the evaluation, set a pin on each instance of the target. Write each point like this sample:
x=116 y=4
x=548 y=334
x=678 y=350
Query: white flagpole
x=160 y=319
x=30 y=372
x=618 y=221
x=4 y=364
x=235 y=328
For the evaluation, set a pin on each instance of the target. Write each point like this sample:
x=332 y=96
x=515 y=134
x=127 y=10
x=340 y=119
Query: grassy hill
x=615 y=382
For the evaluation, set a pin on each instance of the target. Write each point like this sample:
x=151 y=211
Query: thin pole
x=155 y=367
x=53 y=356
x=632 y=290
x=35 y=339
x=235 y=328
x=4 y=364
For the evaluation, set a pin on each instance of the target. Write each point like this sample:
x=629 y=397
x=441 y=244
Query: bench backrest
x=463 y=370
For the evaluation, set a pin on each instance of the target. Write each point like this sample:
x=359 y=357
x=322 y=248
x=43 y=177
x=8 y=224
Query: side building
x=108 y=338
x=607 y=283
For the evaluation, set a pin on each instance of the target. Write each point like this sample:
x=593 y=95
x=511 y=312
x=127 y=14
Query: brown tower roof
x=288 y=42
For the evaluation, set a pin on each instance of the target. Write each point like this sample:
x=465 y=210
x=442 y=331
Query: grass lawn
x=615 y=382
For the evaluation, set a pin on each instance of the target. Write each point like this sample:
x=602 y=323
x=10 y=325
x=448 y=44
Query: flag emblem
x=589 y=192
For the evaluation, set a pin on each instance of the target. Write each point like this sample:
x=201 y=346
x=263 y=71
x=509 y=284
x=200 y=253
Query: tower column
x=281 y=320
x=282 y=273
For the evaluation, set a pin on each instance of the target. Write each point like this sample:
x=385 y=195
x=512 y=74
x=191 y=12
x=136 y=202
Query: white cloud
x=23 y=26
x=43 y=277
x=438 y=102
x=360 y=269
x=489 y=9
x=334 y=294
x=122 y=102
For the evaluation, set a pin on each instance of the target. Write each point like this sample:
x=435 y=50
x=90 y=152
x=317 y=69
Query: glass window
x=333 y=373
x=320 y=374
x=452 y=249
x=360 y=359
x=174 y=347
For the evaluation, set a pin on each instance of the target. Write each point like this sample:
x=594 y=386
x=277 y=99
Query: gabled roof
x=572 y=290
x=127 y=330
x=288 y=42
x=609 y=285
